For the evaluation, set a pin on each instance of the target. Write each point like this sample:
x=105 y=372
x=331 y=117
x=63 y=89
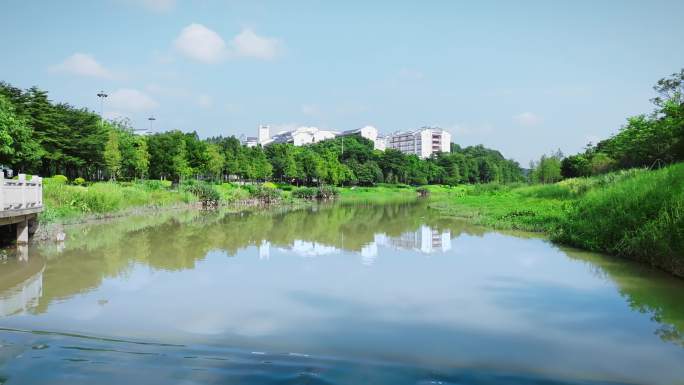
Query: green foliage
x=652 y=141
x=640 y=215
x=319 y=193
x=112 y=155
x=264 y=194
x=57 y=179
x=305 y=193
x=63 y=201
x=205 y=192
x=548 y=169
x=79 y=181
x=18 y=149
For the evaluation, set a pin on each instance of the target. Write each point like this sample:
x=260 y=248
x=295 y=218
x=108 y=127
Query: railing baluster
x=2 y=190
x=22 y=184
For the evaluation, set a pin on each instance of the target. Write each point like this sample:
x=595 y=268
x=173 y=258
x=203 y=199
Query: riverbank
x=636 y=214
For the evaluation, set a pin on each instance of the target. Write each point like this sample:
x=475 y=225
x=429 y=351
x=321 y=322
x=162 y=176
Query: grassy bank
x=637 y=214
x=64 y=202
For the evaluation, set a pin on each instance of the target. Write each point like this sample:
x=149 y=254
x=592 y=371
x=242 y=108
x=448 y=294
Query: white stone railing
x=20 y=194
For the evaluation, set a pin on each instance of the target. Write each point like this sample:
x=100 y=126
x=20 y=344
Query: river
x=342 y=294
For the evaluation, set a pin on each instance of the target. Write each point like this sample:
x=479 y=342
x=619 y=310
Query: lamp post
x=102 y=96
x=151 y=119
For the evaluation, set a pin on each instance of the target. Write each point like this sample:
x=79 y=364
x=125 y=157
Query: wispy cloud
x=248 y=44
x=82 y=64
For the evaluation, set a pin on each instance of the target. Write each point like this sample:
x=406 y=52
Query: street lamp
x=151 y=119
x=102 y=95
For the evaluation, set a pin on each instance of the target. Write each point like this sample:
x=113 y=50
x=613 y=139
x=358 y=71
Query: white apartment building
x=307 y=135
x=422 y=142
x=370 y=133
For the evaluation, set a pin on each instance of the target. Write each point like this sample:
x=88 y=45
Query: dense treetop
x=46 y=138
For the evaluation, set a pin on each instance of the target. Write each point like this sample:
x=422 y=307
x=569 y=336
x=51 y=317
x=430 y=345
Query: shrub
x=321 y=193
x=58 y=179
x=79 y=181
x=327 y=192
x=205 y=192
x=285 y=186
x=305 y=193
x=423 y=191
x=264 y=194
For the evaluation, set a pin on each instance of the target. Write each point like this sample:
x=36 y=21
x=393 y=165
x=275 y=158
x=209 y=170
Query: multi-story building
x=370 y=133
x=422 y=142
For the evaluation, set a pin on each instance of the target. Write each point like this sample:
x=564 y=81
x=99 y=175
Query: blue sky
x=523 y=77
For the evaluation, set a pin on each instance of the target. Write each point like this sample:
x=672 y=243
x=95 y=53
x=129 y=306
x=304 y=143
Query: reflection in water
x=21 y=283
x=350 y=284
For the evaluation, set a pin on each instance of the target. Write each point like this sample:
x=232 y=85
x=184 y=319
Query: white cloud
x=205 y=101
x=130 y=100
x=527 y=119
x=83 y=64
x=249 y=44
x=201 y=43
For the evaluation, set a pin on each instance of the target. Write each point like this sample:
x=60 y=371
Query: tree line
x=38 y=136
x=651 y=140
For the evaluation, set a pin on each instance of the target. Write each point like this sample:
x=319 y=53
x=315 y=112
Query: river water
x=346 y=294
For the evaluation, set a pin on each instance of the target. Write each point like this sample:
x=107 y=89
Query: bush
x=264 y=194
x=327 y=192
x=155 y=185
x=58 y=179
x=79 y=181
x=321 y=193
x=305 y=193
x=205 y=192
x=285 y=186
x=423 y=191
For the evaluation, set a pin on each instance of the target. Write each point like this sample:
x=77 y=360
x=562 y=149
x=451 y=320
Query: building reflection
x=425 y=240
x=21 y=283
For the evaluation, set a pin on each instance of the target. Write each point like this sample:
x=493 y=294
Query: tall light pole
x=102 y=96
x=151 y=119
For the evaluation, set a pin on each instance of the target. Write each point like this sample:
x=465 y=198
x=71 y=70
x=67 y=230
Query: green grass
x=640 y=217
x=638 y=214
x=64 y=202
x=504 y=208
